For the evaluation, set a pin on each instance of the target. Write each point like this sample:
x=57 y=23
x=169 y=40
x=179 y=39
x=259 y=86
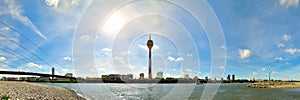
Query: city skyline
x=257 y=36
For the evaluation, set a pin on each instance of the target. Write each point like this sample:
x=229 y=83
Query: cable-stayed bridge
x=34 y=74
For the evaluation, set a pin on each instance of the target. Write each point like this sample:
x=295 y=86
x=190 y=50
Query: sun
x=114 y=23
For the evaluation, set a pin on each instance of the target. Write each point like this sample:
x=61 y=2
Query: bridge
x=34 y=74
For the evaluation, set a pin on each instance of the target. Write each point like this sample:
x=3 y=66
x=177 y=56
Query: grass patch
x=4 y=97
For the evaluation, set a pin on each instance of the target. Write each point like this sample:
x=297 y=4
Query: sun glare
x=113 y=23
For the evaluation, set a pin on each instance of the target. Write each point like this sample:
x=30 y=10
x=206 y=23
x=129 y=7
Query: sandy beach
x=274 y=85
x=33 y=91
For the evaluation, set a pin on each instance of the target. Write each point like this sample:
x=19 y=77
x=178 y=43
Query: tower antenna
x=150 y=36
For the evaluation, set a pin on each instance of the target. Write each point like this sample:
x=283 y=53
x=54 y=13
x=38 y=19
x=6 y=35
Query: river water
x=233 y=91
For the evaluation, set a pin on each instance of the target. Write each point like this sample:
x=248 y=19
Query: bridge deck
x=34 y=74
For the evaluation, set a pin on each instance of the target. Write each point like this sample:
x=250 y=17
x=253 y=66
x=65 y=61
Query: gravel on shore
x=33 y=91
x=274 y=85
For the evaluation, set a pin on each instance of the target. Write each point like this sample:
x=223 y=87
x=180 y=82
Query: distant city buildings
x=117 y=77
x=159 y=75
x=104 y=77
x=142 y=75
x=186 y=76
x=114 y=77
x=228 y=77
x=69 y=75
x=233 y=77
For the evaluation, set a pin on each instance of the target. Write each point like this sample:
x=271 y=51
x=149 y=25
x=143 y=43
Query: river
x=232 y=91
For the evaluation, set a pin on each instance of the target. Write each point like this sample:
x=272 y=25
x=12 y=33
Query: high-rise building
x=233 y=77
x=104 y=77
x=129 y=76
x=124 y=77
x=115 y=77
x=150 y=45
x=159 y=75
x=142 y=75
x=206 y=78
x=69 y=75
x=53 y=70
x=186 y=76
x=228 y=77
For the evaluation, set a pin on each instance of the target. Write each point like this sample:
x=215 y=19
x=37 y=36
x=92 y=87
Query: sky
x=93 y=38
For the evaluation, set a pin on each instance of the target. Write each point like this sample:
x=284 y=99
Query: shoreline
x=274 y=85
x=26 y=90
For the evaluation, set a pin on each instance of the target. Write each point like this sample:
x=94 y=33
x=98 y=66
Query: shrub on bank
x=4 y=97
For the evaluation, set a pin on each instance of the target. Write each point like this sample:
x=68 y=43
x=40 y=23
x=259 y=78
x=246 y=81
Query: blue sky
x=257 y=34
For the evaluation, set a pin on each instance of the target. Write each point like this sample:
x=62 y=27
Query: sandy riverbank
x=274 y=85
x=33 y=91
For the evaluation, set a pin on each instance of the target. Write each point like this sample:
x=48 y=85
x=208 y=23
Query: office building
x=159 y=75
x=228 y=77
x=142 y=75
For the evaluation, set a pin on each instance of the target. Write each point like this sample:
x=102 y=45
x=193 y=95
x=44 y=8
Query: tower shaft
x=150 y=64
x=150 y=45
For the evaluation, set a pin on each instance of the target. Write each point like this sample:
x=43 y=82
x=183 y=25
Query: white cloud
x=101 y=69
x=146 y=48
x=288 y=3
x=64 y=6
x=254 y=73
x=291 y=50
x=274 y=72
x=67 y=70
x=286 y=37
x=280 y=45
x=189 y=55
x=278 y=58
x=244 y=53
x=84 y=37
x=298 y=74
x=179 y=59
x=287 y=63
x=222 y=67
x=188 y=70
x=174 y=59
x=263 y=69
x=67 y=58
x=2 y=58
x=15 y=10
x=171 y=58
x=223 y=47
x=131 y=67
x=174 y=69
x=4 y=29
x=52 y=3
x=144 y=68
x=120 y=60
x=106 y=51
x=31 y=64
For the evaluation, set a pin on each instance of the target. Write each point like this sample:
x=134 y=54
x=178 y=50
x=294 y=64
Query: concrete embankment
x=274 y=85
x=32 y=91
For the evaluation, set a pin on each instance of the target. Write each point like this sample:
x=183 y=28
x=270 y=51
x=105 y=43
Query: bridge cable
x=32 y=43
x=1 y=35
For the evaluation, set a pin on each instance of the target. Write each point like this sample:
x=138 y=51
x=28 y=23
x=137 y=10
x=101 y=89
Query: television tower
x=150 y=45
